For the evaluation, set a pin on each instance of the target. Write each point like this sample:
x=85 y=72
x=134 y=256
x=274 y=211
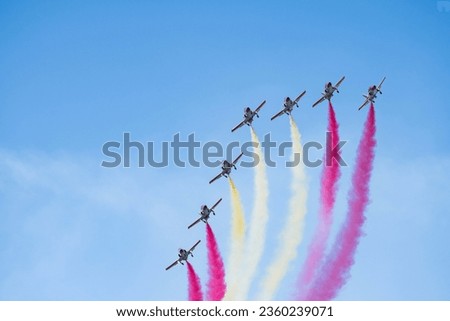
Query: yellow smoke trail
x=292 y=233
x=260 y=215
x=237 y=242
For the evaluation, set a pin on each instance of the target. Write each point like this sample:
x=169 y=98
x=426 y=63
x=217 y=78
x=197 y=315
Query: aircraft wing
x=237 y=158
x=319 y=101
x=238 y=126
x=194 y=223
x=300 y=96
x=364 y=103
x=260 y=106
x=192 y=248
x=379 y=86
x=217 y=203
x=339 y=82
x=215 y=178
x=172 y=265
x=276 y=115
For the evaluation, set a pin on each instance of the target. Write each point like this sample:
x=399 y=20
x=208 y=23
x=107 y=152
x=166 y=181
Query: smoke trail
x=330 y=175
x=195 y=288
x=260 y=215
x=237 y=241
x=292 y=233
x=336 y=268
x=216 y=283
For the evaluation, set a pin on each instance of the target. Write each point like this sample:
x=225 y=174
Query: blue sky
x=76 y=75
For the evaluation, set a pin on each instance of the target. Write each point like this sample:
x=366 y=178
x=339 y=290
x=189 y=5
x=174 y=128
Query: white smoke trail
x=292 y=234
x=257 y=230
x=237 y=242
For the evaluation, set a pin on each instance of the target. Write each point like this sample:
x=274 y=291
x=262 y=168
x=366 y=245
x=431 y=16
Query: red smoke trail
x=216 y=283
x=330 y=175
x=336 y=269
x=195 y=288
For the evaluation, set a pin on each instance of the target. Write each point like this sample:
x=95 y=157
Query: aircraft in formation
x=183 y=255
x=249 y=115
x=329 y=91
x=288 y=106
x=226 y=168
x=372 y=94
x=205 y=212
